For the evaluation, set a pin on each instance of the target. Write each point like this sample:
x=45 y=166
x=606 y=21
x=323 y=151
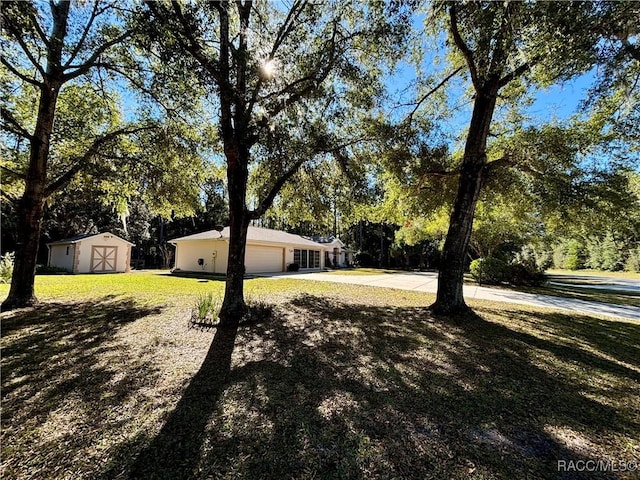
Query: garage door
x=263 y=259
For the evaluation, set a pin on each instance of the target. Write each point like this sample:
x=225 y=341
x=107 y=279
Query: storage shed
x=91 y=253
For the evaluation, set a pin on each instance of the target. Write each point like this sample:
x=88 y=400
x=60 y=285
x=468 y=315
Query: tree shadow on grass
x=337 y=390
x=61 y=374
x=175 y=451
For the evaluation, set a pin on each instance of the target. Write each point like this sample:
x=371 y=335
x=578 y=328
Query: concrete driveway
x=428 y=282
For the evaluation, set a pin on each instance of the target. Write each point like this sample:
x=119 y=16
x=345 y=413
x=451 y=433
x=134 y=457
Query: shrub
x=206 y=309
x=47 y=270
x=293 y=267
x=6 y=267
x=363 y=259
x=489 y=270
x=525 y=274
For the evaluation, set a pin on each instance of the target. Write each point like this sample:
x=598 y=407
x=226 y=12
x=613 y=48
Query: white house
x=267 y=251
x=337 y=254
x=91 y=253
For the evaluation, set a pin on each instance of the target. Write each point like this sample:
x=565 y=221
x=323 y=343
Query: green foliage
x=363 y=259
x=633 y=261
x=293 y=267
x=612 y=254
x=6 y=267
x=493 y=271
x=525 y=274
x=574 y=255
x=206 y=309
x=489 y=270
x=50 y=270
x=538 y=257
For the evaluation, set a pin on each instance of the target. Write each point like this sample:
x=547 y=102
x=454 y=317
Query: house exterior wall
x=189 y=251
x=85 y=250
x=62 y=256
x=259 y=257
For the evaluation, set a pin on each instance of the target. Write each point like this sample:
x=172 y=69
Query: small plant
x=6 y=267
x=206 y=309
x=293 y=267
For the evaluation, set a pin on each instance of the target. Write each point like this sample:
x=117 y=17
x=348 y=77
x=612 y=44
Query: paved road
x=428 y=282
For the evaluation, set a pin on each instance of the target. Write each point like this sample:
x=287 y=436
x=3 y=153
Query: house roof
x=79 y=238
x=331 y=241
x=254 y=234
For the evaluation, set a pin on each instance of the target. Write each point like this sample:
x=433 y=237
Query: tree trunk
x=30 y=210
x=233 y=306
x=450 y=299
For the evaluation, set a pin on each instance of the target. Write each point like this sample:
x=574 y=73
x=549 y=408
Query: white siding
x=62 y=256
x=259 y=258
x=263 y=259
x=189 y=251
x=85 y=248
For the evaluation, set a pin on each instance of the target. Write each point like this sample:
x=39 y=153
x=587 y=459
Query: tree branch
x=13 y=124
x=192 y=46
x=513 y=74
x=284 y=31
x=91 y=61
x=18 y=37
x=275 y=189
x=22 y=76
x=462 y=46
x=631 y=49
x=85 y=32
x=83 y=161
x=38 y=28
x=19 y=175
x=431 y=92
x=12 y=200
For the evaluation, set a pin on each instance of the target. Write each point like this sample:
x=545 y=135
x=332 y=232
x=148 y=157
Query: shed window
x=67 y=251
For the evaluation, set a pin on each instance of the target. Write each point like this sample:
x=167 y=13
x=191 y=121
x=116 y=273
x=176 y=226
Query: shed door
x=260 y=259
x=103 y=259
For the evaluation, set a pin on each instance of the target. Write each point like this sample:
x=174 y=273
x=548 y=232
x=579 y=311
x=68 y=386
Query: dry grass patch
x=343 y=382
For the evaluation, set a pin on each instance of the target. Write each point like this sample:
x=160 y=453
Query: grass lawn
x=616 y=297
x=596 y=273
x=107 y=380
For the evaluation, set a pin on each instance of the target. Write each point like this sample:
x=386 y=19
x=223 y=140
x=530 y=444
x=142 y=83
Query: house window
x=67 y=251
x=307 y=258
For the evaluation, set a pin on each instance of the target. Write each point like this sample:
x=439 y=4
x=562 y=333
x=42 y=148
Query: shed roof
x=79 y=238
x=254 y=234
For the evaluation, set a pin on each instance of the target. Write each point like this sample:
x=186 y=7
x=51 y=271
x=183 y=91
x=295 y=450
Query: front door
x=103 y=259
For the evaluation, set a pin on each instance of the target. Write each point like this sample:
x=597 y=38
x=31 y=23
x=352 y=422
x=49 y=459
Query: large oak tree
x=280 y=77
x=45 y=49
x=501 y=43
